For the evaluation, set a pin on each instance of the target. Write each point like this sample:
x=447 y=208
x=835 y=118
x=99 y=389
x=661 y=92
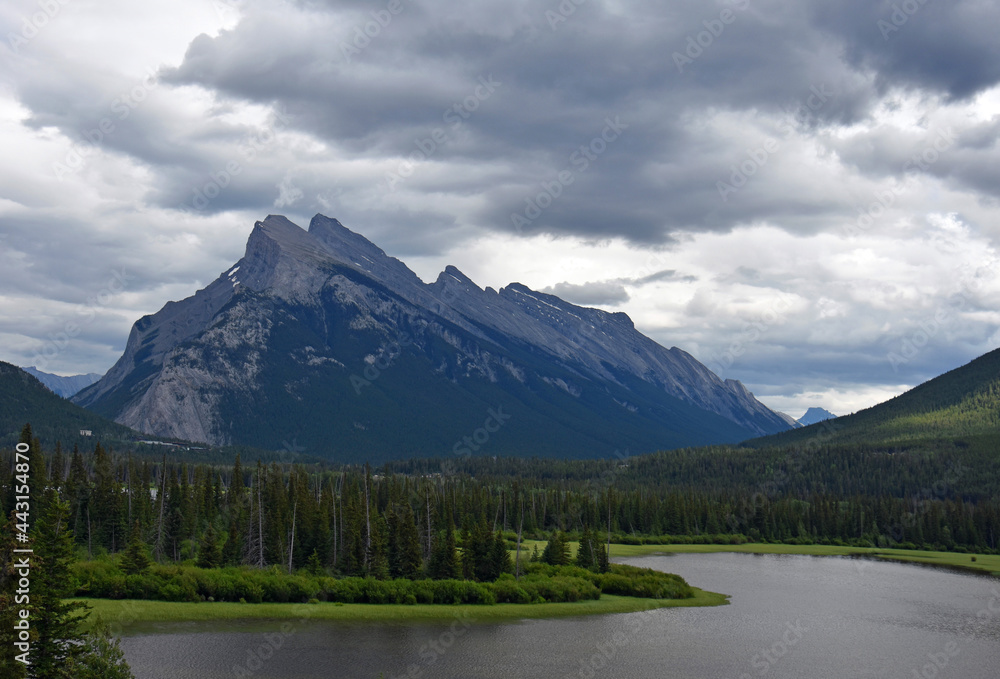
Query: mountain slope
x=23 y=399
x=67 y=387
x=960 y=403
x=320 y=337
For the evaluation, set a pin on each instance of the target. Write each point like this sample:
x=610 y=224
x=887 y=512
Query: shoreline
x=125 y=613
x=984 y=564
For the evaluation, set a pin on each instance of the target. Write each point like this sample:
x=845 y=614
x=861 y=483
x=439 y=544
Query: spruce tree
x=405 y=557
x=378 y=557
x=586 y=556
x=444 y=564
x=55 y=620
x=556 y=552
x=101 y=657
x=209 y=551
x=603 y=562
x=315 y=564
x=135 y=559
x=498 y=557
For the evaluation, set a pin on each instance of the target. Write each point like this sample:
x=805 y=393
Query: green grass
x=130 y=612
x=984 y=563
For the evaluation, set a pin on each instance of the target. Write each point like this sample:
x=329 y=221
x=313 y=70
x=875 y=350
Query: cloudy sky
x=803 y=195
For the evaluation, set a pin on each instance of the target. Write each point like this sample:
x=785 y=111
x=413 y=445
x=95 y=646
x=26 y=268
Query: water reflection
x=790 y=616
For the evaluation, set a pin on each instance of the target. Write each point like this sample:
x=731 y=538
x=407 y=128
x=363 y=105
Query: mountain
x=66 y=387
x=814 y=415
x=24 y=399
x=319 y=338
x=960 y=404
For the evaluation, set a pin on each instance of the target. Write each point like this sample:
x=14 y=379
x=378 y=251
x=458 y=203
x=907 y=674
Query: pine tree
x=378 y=556
x=498 y=557
x=78 y=495
x=315 y=564
x=405 y=557
x=101 y=657
x=105 y=509
x=54 y=619
x=586 y=556
x=603 y=563
x=556 y=552
x=444 y=564
x=135 y=559
x=209 y=552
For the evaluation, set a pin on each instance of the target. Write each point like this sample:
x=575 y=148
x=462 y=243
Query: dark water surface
x=791 y=617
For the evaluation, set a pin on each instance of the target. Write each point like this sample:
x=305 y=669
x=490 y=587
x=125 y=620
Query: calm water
x=791 y=616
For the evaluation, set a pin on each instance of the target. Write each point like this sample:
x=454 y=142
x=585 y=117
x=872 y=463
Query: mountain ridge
x=304 y=312
x=62 y=385
x=962 y=402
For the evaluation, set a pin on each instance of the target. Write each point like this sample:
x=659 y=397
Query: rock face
x=320 y=339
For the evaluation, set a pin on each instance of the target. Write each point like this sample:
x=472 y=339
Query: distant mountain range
x=63 y=386
x=319 y=341
x=814 y=415
x=962 y=403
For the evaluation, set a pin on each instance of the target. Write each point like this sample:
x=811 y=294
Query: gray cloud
x=449 y=124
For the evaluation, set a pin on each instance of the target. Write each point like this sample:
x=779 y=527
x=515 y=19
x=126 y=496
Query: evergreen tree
x=232 y=551
x=105 y=509
x=78 y=496
x=586 y=556
x=135 y=559
x=405 y=558
x=603 y=561
x=444 y=564
x=55 y=621
x=498 y=557
x=209 y=551
x=315 y=564
x=378 y=557
x=101 y=657
x=556 y=552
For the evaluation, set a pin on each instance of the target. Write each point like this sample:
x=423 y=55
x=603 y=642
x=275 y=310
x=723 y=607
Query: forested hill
x=24 y=399
x=961 y=404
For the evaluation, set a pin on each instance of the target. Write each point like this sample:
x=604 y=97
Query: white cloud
x=831 y=255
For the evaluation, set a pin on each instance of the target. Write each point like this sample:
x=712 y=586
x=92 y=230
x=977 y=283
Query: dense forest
x=411 y=519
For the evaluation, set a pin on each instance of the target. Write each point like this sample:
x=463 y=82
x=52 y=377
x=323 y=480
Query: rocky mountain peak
x=296 y=321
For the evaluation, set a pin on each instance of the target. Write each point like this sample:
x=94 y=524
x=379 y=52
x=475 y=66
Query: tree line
x=388 y=523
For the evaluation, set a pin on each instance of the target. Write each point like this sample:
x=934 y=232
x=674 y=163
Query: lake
x=791 y=616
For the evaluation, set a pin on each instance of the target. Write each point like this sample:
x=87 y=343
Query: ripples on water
x=791 y=616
